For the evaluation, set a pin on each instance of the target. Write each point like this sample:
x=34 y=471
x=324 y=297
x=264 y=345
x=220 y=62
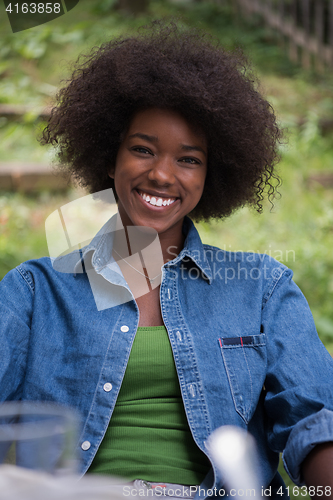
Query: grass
x=298 y=230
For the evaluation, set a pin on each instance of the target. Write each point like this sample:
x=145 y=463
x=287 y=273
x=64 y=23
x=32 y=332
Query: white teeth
x=158 y=202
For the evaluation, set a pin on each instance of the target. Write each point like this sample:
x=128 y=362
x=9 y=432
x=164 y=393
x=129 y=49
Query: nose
x=162 y=172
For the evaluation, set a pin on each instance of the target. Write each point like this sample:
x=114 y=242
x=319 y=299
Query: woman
x=174 y=124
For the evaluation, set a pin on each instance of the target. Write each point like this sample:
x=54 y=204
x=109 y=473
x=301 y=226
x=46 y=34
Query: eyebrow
x=193 y=148
x=145 y=137
x=153 y=138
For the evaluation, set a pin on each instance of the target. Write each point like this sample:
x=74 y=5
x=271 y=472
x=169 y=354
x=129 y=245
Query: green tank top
x=148 y=436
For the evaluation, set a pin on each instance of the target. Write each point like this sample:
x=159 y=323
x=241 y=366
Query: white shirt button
x=124 y=328
x=85 y=445
x=107 y=387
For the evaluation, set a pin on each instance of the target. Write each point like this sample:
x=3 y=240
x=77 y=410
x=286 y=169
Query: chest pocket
x=245 y=363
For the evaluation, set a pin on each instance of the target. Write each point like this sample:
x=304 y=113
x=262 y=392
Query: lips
x=155 y=200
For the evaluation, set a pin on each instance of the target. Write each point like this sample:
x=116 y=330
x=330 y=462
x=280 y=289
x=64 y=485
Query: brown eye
x=191 y=161
x=141 y=149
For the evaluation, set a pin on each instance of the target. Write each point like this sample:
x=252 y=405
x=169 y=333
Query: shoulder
x=246 y=269
x=247 y=260
x=24 y=273
x=32 y=272
x=18 y=288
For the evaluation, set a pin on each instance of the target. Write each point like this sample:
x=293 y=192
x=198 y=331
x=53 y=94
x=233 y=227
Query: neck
x=171 y=247
x=140 y=253
x=128 y=240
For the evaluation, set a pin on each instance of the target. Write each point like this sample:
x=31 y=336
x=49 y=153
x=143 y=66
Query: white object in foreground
x=234 y=451
x=17 y=483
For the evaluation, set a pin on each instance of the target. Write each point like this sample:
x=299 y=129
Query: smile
x=155 y=200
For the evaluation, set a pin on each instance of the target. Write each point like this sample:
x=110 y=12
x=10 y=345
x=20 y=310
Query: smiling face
x=160 y=170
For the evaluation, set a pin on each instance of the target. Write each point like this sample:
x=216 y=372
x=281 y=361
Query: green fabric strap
x=148 y=436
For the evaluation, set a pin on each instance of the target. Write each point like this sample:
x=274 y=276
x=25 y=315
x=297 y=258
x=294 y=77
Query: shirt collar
x=100 y=247
x=194 y=249
x=99 y=250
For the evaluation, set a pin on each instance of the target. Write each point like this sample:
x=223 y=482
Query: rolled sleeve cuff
x=306 y=434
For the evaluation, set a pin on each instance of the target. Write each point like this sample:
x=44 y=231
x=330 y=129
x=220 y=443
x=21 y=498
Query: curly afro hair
x=166 y=65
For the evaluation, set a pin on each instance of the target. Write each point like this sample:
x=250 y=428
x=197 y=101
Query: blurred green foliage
x=298 y=230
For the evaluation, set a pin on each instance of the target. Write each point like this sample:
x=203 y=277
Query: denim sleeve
x=16 y=300
x=299 y=389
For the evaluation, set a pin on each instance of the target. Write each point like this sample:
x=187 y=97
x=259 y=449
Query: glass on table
x=39 y=436
x=37 y=460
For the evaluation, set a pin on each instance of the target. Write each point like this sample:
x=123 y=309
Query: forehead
x=157 y=121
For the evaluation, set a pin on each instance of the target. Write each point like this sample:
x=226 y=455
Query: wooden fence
x=305 y=25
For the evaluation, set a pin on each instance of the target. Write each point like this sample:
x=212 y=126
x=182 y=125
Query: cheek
x=200 y=184
x=120 y=161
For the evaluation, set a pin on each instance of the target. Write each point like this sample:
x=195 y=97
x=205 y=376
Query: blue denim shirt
x=243 y=338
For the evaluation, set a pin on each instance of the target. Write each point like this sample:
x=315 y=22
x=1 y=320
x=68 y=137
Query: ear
x=111 y=172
